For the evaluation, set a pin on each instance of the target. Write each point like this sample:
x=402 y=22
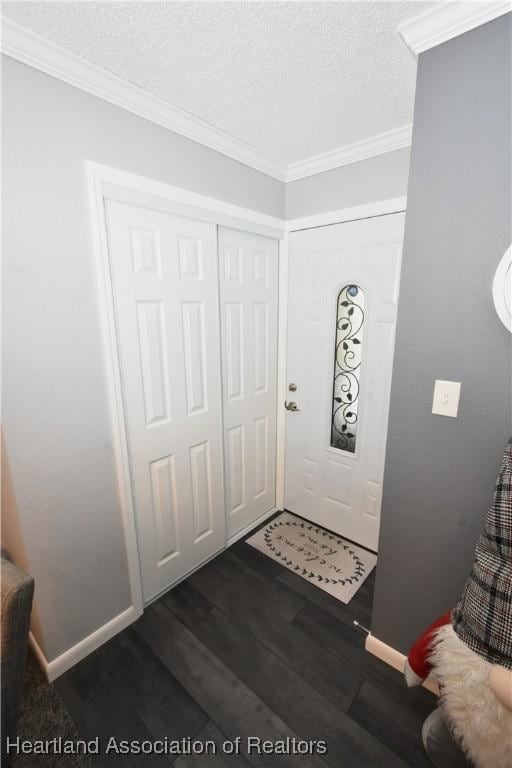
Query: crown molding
x=448 y=19
x=351 y=153
x=40 y=53
x=36 y=51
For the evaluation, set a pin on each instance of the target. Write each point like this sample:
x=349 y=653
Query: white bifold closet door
x=249 y=300
x=165 y=282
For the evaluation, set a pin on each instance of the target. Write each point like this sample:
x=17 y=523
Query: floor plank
x=281 y=600
x=349 y=648
x=340 y=639
x=395 y=723
x=231 y=704
x=246 y=648
x=337 y=682
x=218 y=760
x=99 y=709
x=163 y=705
x=359 y=608
x=256 y=560
x=284 y=692
x=337 y=636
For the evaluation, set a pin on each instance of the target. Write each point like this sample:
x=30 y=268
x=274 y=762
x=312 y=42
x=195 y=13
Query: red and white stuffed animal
x=418 y=665
x=469 y=650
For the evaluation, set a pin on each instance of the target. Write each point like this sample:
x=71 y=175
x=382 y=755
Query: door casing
x=107 y=182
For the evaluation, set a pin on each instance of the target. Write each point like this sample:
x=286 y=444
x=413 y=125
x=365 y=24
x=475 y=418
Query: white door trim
x=121 y=185
x=366 y=211
x=96 y=179
x=104 y=181
x=282 y=354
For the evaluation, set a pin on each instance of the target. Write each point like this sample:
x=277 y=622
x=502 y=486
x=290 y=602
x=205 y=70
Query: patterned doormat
x=335 y=565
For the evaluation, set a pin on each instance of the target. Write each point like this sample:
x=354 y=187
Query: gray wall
x=367 y=181
x=58 y=452
x=440 y=472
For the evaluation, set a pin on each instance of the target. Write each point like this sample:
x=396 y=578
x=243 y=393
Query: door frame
x=107 y=182
x=343 y=215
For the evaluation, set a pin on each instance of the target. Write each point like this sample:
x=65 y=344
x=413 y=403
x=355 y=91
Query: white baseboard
x=250 y=527
x=41 y=658
x=394 y=658
x=56 y=667
x=53 y=669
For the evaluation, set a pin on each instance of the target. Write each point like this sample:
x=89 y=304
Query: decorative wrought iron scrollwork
x=347 y=367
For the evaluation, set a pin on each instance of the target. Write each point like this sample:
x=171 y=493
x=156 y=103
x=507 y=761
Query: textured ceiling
x=291 y=79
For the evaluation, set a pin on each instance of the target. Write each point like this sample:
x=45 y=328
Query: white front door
x=165 y=282
x=343 y=294
x=248 y=290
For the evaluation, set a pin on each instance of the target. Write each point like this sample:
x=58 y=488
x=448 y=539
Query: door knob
x=291 y=406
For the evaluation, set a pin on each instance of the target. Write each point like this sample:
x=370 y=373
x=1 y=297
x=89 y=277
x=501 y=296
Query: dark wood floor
x=245 y=648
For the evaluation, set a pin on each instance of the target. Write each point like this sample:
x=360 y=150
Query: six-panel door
x=249 y=292
x=165 y=282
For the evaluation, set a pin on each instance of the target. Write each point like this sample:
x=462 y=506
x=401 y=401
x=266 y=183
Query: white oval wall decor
x=502 y=289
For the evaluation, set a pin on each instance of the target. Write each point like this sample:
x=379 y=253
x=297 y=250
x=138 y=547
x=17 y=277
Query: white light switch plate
x=446 y=398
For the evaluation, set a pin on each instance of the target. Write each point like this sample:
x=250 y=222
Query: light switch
x=446 y=398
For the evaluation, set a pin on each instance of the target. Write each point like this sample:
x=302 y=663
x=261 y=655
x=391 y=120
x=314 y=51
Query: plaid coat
x=483 y=617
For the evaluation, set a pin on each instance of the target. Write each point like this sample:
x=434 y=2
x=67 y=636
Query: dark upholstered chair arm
x=17 y=591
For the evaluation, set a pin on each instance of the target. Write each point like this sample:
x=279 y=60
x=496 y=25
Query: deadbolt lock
x=292 y=387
